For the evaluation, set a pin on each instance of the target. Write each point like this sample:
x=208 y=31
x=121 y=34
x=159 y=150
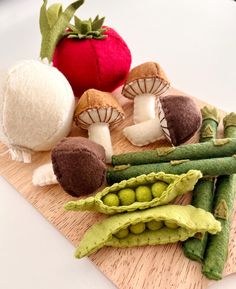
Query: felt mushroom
x=95 y=111
x=145 y=82
x=179 y=119
x=74 y=161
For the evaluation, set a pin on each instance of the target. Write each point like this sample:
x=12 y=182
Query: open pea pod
x=177 y=185
x=188 y=219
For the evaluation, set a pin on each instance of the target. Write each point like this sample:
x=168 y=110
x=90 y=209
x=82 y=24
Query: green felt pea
x=143 y=194
x=158 y=188
x=126 y=196
x=111 y=200
x=154 y=225
x=122 y=233
x=138 y=228
x=171 y=225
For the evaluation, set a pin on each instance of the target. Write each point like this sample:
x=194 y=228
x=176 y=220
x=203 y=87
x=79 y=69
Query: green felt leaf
x=98 y=23
x=53 y=13
x=77 y=23
x=43 y=19
x=52 y=35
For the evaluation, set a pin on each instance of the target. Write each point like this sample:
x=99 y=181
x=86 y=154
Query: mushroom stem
x=145 y=132
x=144 y=107
x=100 y=133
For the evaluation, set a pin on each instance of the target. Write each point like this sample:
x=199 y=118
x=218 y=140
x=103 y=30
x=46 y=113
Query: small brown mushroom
x=78 y=164
x=179 y=119
x=145 y=82
x=95 y=111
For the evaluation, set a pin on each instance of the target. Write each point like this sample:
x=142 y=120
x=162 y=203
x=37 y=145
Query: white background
x=194 y=41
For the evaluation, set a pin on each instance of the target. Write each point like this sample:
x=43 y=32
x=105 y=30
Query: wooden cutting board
x=148 y=267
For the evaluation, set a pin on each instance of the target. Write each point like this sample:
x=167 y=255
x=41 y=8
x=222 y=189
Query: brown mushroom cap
x=145 y=78
x=180 y=118
x=97 y=106
x=75 y=160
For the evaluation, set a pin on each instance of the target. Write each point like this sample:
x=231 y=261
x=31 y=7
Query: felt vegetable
x=177 y=185
x=43 y=105
x=208 y=167
x=179 y=119
x=89 y=54
x=217 y=247
x=75 y=160
x=95 y=111
x=143 y=194
x=211 y=149
x=190 y=220
x=203 y=193
x=53 y=24
x=39 y=95
x=144 y=84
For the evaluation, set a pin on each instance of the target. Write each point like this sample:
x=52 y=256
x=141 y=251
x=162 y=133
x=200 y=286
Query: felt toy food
x=179 y=119
x=144 y=84
x=96 y=111
x=89 y=54
x=211 y=149
x=202 y=197
x=78 y=164
x=209 y=167
x=176 y=185
x=217 y=248
x=43 y=104
x=188 y=221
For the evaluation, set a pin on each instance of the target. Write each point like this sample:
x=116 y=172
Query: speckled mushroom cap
x=180 y=118
x=97 y=106
x=145 y=78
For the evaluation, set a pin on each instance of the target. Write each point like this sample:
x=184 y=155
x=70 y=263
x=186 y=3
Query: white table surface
x=194 y=40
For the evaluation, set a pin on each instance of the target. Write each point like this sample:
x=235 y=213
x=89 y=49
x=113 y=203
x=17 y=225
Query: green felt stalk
x=210 y=149
x=208 y=167
x=217 y=246
x=203 y=192
x=210 y=122
x=53 y=23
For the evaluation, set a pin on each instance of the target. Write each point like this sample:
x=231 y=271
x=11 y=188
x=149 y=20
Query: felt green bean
x=203 y=192
x=188 y=219
x=208 y=167
x=210 y=149
x=177 y=185
x=217 y=247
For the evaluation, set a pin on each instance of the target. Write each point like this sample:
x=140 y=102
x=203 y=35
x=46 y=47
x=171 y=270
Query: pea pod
x=190 y=220
x=178 y=185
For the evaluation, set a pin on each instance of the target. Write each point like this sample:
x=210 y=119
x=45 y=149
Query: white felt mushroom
x=179 y=119
x=96 y=111
x=144 y=84
x=36 y=108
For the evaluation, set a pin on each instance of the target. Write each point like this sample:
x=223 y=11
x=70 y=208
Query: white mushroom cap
x=147 y=78
x=96 y=106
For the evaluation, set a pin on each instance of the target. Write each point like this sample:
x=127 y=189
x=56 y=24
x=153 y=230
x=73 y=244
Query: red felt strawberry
x=91 y=56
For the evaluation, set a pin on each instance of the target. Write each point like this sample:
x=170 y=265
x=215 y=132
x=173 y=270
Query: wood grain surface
x=147 y=267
